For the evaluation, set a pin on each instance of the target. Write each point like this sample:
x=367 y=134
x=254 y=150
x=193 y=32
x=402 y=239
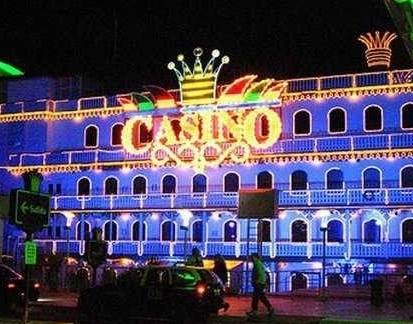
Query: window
x=337 y=120
x=335 y=231
x=299 y=231
x=58 y=188
x=139 y=185
x=302 y=123
x=111 y=186
x=299 y=180
x=230 y=231
x=407 y=231
x=264 y=180
x=168 y=184
x=407 y=177
x=372 y=232
x=373 y=118
x=168 y=231
x=83 y=231
x=298 y=281
x=407 y=116
x=199 y=183
x=116 y=138
x=197 y=231
x=335 y=179
x=266 y=231
x=137 y=234
x=110 y=231
x=371 y=178
x=50 y=189
x=231 y=182
x=91 y=136
x=83 y=187
x=58 y=231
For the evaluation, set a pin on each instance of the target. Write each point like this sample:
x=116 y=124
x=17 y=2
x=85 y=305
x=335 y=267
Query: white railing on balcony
x=225 y=200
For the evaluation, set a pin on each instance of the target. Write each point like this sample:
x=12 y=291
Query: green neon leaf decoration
x=9 y=70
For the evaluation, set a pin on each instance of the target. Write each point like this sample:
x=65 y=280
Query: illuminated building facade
x=145 y=166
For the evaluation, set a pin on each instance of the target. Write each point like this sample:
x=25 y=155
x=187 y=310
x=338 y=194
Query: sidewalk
x=288 y=309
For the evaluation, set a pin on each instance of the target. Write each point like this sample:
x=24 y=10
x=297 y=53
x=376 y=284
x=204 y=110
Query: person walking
x=220 y=268
x=195 y=259
x=259 y=284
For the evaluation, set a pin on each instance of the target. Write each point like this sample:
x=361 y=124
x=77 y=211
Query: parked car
x=180 y=293
x=12 y=285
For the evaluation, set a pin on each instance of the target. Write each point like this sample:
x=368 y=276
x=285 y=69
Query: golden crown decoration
x=198 y=87
x=378 y=52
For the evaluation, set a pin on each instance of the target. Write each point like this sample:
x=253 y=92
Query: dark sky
x=277 y=38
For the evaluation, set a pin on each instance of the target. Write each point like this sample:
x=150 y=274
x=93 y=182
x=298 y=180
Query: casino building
x=159 y=171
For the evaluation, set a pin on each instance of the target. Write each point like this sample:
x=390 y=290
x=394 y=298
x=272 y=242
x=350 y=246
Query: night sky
x=278 y=38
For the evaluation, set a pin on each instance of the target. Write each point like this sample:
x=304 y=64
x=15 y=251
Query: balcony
x=313 y=250
x=229 y=200
x=288 y=145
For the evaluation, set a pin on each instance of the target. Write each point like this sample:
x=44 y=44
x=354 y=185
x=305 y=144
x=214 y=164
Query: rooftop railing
x=312 y=84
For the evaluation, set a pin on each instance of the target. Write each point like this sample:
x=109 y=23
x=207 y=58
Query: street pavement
x=288 y=309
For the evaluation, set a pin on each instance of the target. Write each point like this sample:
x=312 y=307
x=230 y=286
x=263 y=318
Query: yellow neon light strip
x=195 y=85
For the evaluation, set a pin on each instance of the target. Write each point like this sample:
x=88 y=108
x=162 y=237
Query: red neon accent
x=237 y=87
x=161 y=96
x=274 y=92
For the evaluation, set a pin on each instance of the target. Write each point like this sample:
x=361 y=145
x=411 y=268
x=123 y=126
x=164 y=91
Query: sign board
x=258 y=203
x=29 y=210
x=30 y=253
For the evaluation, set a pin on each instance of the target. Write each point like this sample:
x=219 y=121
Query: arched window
x=337 y=120
x=138 y=234
x=83 y=231
x=168 y=184
x=91 y=136
x=372 y=232
x=407 y=177
x=264 y=180
x=110 y=231
x=371 y=178
x=335 y=179
x=199 y=183
x=407 y=116
x=335 y=231
x=116 y=138
x=266 y=231
x=298 y=281
x=230 y=231
x=302 y=123
x=168 y=231
x=197 y=231
x=139 y=185
x=231 y=182
x=373 y=119
x=83 y=187
x=299 y=180
x=299 y=231
x=111 y=186
x=407 y=231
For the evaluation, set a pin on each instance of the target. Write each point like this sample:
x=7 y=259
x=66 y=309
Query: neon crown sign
x=198 y=86
x=227 y=128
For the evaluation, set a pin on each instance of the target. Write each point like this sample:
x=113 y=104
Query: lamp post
x=323 y=230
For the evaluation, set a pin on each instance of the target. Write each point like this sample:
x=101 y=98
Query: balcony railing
x=235 y=249
x=229 y=200
x=297 y=145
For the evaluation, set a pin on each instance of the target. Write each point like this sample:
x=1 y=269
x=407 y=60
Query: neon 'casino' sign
x=204 y=134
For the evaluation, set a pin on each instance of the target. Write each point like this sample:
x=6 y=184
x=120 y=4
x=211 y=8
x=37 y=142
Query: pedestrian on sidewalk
x=259 y=284
x=220 y=268
x=195 y=260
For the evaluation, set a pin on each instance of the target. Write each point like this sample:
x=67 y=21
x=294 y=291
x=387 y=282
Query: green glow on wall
x=9 y=70
x=252 y=96
x=143 y=106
